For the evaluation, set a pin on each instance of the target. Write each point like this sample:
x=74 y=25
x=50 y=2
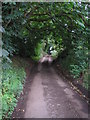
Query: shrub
x=12 y=85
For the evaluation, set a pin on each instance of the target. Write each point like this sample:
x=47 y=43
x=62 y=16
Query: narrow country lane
x=52 y=97
x=44 y=59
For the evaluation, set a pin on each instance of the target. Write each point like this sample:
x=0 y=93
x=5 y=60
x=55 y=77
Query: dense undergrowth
x=35 y=29
x=77 y=64
x=82 y=78
x=13 y=80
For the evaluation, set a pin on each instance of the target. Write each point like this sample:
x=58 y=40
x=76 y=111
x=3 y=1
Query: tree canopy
x=34 y=28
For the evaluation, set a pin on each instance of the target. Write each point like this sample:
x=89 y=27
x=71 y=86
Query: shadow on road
x=47 y=95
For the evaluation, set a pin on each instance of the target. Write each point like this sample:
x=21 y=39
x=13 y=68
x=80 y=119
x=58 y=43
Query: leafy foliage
x=32 y=29
x=12 y=85
x=37 y=21
x=38 y=52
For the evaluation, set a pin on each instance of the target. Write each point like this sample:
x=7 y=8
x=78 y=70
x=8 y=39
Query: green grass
x=86 y=82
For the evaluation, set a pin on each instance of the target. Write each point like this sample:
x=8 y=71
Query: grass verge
x=13 y=80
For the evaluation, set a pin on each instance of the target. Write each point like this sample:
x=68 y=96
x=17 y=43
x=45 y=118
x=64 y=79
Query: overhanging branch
x=86 y=24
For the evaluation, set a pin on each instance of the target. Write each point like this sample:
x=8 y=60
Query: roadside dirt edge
x=20 y=109
x=81 y=90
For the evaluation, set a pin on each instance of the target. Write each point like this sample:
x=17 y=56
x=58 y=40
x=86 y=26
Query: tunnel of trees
x=31 y=29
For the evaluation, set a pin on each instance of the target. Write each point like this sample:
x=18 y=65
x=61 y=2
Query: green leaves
x=81 y=24
x=12 y=85
x=29 y=23
x=5 y=53
x=75 y=70
x=63 y=26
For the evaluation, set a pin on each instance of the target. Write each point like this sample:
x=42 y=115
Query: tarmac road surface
x=52 y=97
